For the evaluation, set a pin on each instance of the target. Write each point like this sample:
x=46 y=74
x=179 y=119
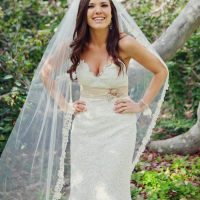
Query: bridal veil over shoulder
x=35 y=163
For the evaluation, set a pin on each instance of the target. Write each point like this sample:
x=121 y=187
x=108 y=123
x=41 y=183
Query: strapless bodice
x=107 y=78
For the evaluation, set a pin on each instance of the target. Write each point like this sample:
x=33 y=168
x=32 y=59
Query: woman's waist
x=102 y=108
x=103 y=93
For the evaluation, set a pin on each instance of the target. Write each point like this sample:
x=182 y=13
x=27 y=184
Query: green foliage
x=172 y=182
x=155 y=17
x=26 y=28
x=184 y=68
x=173 y=127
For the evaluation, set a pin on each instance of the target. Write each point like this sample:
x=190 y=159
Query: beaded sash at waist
x=98 y=93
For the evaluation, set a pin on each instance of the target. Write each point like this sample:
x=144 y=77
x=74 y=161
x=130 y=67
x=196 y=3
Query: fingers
x=123 y=109
x=77 y=109
x=122 y=112
x=120 y=105
x=79 y=106
x=121 y=101
x=80 y=102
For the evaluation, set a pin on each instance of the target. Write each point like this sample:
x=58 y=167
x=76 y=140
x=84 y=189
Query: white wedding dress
x=102 y=141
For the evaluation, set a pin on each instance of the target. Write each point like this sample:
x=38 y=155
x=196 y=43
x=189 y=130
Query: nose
x=98 y=9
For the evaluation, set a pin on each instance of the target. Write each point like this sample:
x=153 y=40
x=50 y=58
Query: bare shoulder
x=124 y=47
x=127 y=42
x=131 y=48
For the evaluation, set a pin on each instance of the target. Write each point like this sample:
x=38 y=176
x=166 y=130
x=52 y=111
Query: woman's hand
x=127 y=106
x=79 y=106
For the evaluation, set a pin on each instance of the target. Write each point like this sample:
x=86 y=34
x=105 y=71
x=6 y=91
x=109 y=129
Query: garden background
x=26 y=28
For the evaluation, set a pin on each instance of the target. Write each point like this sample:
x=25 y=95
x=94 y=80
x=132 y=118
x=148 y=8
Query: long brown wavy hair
x=83 y=36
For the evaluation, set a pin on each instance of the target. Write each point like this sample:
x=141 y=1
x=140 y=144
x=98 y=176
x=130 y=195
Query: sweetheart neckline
x=102 y=71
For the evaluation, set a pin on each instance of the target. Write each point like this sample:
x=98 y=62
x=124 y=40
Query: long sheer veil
x=35 y=163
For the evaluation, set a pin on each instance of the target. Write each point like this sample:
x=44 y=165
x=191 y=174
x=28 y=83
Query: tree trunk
x=187 y=143
x=167 y=45
x=179 y=31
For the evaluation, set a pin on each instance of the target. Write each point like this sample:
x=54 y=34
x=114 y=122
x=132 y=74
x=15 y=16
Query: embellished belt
x=98 y=93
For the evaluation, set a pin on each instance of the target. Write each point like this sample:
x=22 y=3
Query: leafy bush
x=174 y=181
x=26 y=28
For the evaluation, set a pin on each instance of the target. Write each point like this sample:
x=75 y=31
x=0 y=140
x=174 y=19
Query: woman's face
x=99 y=9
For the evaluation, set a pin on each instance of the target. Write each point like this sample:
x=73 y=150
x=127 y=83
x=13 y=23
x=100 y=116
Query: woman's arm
x=51 y=66
x=133 y=49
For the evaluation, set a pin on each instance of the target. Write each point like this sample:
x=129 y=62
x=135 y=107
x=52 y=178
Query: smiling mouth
x=99 y=20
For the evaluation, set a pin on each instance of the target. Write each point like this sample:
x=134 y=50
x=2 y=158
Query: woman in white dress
x=104 y=130
x=120 y=76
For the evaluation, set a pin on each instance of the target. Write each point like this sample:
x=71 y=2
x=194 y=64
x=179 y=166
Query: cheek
x=108 y=14
x=89 y=17
x=108 y=19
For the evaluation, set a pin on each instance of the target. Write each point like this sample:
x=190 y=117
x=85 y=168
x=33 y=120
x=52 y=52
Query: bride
x=98 y=45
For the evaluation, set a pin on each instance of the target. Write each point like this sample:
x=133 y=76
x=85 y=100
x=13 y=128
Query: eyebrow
x=101 y=2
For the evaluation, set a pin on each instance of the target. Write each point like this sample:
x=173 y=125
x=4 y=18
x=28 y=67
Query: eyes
x=102 y=6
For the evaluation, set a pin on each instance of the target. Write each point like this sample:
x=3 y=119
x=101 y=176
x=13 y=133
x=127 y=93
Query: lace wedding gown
x=102 y=141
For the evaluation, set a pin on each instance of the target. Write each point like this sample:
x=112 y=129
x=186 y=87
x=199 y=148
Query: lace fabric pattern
x=103 y=80
x=102 y=147
x=102 y=142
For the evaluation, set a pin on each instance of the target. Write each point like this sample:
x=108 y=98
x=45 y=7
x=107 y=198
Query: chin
x=99 y=27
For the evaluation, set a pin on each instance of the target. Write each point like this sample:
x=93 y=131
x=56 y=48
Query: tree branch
x=179 y=31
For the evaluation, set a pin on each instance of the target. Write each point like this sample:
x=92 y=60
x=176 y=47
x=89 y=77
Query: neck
x=98 y=37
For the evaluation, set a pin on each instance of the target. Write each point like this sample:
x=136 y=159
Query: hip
x=102 y=108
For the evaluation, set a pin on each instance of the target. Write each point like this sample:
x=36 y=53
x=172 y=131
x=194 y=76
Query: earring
x=110 y=25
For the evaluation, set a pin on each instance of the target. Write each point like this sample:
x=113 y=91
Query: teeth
x=98 y=19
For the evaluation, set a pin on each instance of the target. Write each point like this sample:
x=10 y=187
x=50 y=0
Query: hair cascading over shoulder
x=81 y=37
